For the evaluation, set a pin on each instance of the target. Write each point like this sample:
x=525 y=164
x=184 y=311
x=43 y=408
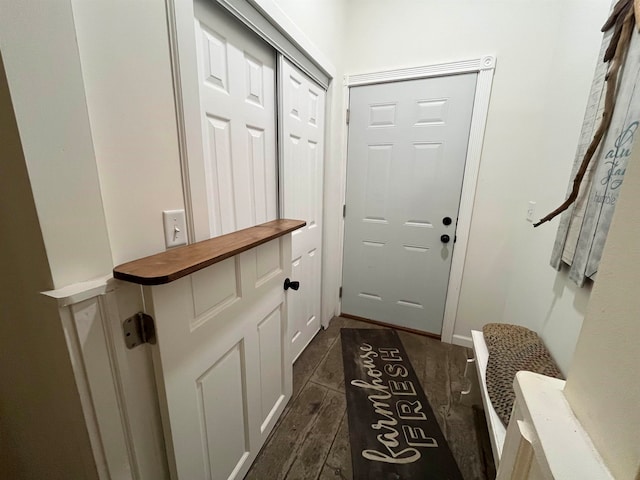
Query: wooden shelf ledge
x=173 y=264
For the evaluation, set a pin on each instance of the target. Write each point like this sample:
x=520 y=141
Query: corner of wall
x=43 y=431
x=42 y=66
x=602 y=386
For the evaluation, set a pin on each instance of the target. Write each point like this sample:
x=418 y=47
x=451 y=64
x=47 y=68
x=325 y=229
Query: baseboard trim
x=462 y=341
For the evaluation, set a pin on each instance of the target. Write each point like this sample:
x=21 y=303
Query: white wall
x=602 y=386
x=42 y=430
x=546 y=53
x=127 y=115
x=324 y=23
x=40 y=55
x=124 y=52
x=537 y=292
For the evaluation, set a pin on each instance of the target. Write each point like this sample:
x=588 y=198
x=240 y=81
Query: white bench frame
x=544 y=439
x=497 y=431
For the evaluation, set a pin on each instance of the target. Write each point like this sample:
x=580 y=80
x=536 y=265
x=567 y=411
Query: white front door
x=406 y=156
x=302 y=140
x=234 y=180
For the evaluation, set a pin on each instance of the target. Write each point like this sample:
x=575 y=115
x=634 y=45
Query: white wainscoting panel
x=116 y=385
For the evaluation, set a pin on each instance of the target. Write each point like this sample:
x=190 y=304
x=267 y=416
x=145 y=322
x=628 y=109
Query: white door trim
x=268 y=20
x=272 y=11
x=484 y=67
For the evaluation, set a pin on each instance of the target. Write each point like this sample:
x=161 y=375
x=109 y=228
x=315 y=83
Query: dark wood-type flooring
x=311 y=438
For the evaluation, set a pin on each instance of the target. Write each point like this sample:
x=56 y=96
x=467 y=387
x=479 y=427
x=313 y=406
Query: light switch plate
x=531 y=211
x=175 y=229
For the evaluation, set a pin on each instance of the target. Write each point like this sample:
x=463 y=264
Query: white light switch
x=175 y=229
x=531 y=211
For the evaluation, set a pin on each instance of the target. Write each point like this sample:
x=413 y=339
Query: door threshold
x=390 y=325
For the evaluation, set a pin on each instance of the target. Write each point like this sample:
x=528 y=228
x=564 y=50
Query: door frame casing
x=485 y=67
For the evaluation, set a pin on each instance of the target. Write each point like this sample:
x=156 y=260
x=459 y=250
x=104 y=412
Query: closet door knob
x=446 y=221
x=445 y=238
x=288 y=284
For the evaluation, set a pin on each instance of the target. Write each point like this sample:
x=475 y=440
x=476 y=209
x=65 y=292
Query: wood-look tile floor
x=311 y=439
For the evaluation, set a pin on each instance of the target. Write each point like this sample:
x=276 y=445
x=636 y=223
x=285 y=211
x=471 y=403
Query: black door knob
x=446 y=220
x=445 y=238
x=288 y=284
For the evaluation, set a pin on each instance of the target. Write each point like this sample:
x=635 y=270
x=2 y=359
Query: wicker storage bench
x=500 y=351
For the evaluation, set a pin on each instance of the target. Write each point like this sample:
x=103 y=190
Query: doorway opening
x=399 y=262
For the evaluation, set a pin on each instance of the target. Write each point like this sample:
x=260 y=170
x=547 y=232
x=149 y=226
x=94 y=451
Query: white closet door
x=236 y=174
x=302 y=140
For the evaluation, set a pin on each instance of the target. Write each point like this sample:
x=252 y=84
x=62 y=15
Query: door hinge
x=348 y=115
x=139 y=329
x=344 y=211
x=340 y=293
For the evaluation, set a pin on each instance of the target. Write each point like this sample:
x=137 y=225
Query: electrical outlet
x=175 y=229
x=531 y=211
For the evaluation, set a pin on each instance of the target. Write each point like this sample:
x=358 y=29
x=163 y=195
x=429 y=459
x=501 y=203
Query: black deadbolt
x=289 y=284
x=446 y=220
x=445 y=238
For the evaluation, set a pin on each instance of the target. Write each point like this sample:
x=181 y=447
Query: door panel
x=223 y=368
x=406 y=156
x=271 y=365
x=225 y=414
x=302 y=121
x=236 y=82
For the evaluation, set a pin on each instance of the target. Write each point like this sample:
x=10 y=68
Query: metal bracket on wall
x=139 y=329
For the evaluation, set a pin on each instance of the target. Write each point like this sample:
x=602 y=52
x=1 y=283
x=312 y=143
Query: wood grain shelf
x=173 y=264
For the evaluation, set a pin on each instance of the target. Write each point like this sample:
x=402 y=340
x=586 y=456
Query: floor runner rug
x=392 y=429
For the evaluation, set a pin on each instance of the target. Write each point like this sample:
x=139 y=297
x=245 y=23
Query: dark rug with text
x=392 y=429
